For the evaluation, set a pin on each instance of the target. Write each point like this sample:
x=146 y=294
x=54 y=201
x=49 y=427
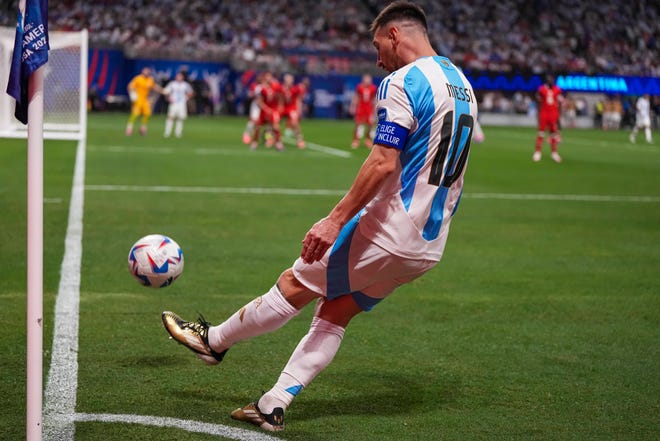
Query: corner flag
x=30 y=52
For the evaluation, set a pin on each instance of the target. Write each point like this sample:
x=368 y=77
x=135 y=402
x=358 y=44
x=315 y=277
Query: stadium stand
x=608 y=36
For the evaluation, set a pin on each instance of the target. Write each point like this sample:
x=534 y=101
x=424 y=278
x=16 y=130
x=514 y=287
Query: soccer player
x=269 y=102
x=642 y=118
x=292 y=95
x=549 y=97
x=389 y=229
x=138 y=90
x=178 y=93
x=362 y=109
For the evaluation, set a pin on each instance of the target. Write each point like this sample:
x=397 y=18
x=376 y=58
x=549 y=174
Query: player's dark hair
x=400 y=10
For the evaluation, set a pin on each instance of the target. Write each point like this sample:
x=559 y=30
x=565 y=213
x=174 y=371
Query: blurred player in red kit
x=269 y=102
x=363 y=111
x=292 y=95
x=549 y=98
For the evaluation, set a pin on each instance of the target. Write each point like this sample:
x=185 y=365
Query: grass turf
x=541 y=322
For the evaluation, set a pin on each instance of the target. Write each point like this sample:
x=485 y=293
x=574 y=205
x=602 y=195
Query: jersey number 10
x=457 y=161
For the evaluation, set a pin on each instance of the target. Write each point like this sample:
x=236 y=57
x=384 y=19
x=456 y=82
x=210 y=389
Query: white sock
x=647 y=132
x=178 y=129
x=313 y=354
x=262 y=315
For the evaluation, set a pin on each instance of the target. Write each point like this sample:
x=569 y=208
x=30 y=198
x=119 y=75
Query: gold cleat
x=273 y=422
x=193 y=335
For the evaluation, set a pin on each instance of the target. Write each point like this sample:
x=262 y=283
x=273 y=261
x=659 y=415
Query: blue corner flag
x=30 y=52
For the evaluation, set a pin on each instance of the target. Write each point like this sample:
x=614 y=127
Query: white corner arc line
x=234 y=433
x=62 y=383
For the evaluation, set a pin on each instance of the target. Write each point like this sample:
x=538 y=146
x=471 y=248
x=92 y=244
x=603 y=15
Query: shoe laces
x=201 y=326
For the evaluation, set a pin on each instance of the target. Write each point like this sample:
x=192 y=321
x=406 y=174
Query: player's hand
x=318 y=239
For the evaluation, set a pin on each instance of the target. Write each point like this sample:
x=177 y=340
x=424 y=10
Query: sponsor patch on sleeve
x=391 y=134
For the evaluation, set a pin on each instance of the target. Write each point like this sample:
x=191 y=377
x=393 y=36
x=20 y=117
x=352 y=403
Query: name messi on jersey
x=460 y=93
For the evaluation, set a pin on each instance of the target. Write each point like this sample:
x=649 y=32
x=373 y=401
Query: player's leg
x=181 y=115
x=357 y=265
x=263 y=314
x=178 y=127
x=647 y=130
x=277 y=132
x=554 y=140
x=358 y=132
x=135 y=113
x=169 y=121
x=370 y=135
x=146 y=115
x=314 y=353
x=294 y=121
x=633 y=133
x=253 y=118
x=539 y=138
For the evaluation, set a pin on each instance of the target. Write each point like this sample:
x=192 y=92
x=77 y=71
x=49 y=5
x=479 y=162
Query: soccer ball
x=155 y=261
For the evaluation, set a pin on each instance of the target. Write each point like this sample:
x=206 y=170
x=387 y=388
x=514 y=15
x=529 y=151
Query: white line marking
x=215 y=150
x=328 y=150
x=62 y=383
x=215 y=190
x=327 y=192
x=321 y=148
x=187 y=425
x=563 y=197
x=125 y=149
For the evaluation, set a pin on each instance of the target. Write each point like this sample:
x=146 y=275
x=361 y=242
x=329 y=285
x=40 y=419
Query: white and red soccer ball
x=155 y=261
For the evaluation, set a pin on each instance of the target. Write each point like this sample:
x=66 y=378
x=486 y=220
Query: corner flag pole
x=35 y=206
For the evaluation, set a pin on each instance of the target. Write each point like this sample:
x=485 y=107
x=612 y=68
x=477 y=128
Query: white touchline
x=61 y=387
x=62 y=383
x=328 y=192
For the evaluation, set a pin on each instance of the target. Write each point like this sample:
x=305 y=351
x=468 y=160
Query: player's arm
x=132 y=94
x=158 y=89
x=381 y=162
x=131 y=85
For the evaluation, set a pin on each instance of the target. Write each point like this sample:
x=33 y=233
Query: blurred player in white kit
x=642 y=118
x=178 y=92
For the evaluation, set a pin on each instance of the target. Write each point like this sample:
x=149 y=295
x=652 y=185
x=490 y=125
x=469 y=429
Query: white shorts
x=359 y=267
x=643 y=121
x=177 y=110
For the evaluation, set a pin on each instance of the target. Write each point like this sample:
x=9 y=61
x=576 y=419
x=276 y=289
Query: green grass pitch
x=542 y=321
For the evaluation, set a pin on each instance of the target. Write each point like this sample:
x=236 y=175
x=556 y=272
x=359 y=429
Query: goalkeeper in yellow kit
x=138 y=90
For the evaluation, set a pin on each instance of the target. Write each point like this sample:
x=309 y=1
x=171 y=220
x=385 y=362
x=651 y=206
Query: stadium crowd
x=607 y=36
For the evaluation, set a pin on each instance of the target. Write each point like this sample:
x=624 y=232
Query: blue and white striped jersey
x=427 y=110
